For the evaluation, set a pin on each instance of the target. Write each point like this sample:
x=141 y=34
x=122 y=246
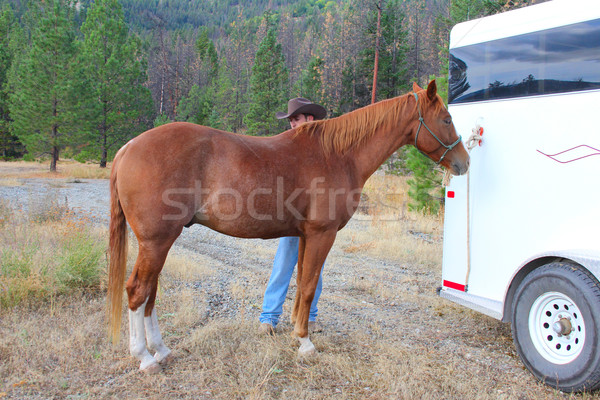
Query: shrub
x=5 y=212
x=47 y=208
x=425 y=188
x=55 y=255
x=80 y=264
x=28 y=157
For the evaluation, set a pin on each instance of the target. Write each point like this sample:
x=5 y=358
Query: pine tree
x=207 y=55
x=393 y=78
x=424 y=184
x=425 y=189
x=115 y=96
x=392 y=72
x=310 y=85
x=10 y=35
x=226 y=110
x=267 y=87
x=41 y=98
x=463 y=10
x=198 y=105
x=238 y=52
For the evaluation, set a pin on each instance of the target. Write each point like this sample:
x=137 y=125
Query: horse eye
x=448 y=121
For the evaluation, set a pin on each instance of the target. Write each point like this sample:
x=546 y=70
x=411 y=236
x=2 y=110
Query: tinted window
x=555 y=60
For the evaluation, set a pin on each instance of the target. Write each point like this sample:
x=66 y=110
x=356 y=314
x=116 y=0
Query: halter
x=422 y=122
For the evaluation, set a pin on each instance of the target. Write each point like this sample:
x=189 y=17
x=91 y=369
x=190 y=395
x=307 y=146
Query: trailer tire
x=556 y=326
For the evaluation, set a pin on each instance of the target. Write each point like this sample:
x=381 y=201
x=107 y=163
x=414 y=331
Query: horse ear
x=431 y=90
x=416 y=87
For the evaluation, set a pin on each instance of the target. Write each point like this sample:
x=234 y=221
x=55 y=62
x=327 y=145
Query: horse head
x=434 y=133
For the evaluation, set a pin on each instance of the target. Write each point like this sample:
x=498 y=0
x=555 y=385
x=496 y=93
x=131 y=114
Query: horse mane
x=339 y=135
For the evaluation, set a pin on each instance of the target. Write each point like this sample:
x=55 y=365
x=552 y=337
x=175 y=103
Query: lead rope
x=473 y=141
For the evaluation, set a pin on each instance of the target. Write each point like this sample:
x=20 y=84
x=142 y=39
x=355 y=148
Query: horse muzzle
x=460 y=167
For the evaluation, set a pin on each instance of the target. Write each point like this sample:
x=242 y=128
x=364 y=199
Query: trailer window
x=556 y=60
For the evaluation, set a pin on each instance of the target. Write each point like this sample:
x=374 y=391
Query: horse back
x=239 y=185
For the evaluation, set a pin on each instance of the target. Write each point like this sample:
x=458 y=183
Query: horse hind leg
x=155 y=342
x=137 y=341
x=144 y=333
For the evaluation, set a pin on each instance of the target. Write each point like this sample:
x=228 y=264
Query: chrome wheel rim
x=556 y=328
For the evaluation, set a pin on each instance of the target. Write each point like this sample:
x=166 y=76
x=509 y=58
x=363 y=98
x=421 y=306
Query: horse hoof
x=307 y=349
x=307 y=354
x=152 y=369
x=168 y=359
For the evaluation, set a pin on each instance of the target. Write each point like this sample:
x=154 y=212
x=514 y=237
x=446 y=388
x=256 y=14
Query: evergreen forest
x=78 y=79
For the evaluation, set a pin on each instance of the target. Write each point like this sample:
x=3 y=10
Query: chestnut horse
x=304 y=182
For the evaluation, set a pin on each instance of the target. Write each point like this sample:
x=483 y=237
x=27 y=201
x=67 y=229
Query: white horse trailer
x=522 y=229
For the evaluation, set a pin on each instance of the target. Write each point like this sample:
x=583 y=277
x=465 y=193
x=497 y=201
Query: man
x=300 y=110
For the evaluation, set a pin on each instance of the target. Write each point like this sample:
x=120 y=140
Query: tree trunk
x=417 y=66
x=104 y=157
x=54 y=160
x=55 y=140
x=104 y=134
x=376 y=67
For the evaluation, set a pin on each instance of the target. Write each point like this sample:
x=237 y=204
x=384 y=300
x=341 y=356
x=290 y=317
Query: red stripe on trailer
x=456 y=286
x=450 y=194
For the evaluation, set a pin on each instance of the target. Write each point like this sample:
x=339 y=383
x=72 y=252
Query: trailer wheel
x=555 y=326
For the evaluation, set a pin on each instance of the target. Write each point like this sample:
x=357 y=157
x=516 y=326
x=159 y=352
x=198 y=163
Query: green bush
x=161 y=119
x=28 y=157
x=81 y=262
x=50 y=257
x=425 y=184
x=88 y=154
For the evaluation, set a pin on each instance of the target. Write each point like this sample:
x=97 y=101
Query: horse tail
x=118 y=258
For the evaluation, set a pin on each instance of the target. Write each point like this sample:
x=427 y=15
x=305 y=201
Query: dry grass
x=12 y=171
x=77 y=170
x=389 y=230
x=67 y=356
x=386 y=197
x=386 y=335
x=45 y=253
x=11 y=182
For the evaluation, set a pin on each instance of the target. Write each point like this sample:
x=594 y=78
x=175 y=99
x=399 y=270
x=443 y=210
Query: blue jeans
x=283 y=267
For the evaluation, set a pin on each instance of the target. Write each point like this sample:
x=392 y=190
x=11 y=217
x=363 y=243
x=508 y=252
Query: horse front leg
x=316 y=248
x=301 y=247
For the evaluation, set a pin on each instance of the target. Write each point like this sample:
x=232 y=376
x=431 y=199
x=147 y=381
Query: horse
x=304 y=182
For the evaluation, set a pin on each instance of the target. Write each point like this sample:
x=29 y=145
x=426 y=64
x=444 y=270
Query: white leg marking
x=155 y=342
x=137 y=338
x=306 y=347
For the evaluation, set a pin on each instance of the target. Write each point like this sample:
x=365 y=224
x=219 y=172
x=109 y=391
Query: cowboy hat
x=300 y=105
